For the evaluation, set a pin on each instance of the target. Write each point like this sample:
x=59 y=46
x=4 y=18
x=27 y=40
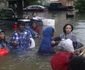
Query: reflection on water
x=30 y=60
x=80 y=31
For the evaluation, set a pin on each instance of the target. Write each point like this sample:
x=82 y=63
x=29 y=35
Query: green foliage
x=80 y=5
x=37 y=3
x=3 y=1
x=31 y=2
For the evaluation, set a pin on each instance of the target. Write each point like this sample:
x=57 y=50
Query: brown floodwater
x=32 y=61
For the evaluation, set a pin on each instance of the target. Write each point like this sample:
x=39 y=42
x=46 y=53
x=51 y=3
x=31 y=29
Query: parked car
x=35 y=8
x=56 y=6
x=7 y=17
x=7 y=14
x=70 y=14
x=70 y=8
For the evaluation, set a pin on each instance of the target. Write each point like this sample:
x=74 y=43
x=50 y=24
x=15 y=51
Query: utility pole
x=19 y=8
x=26 y=3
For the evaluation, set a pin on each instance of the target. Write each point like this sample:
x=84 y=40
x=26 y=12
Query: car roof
x=36 y=5
x=6 y=9
x=24 y=20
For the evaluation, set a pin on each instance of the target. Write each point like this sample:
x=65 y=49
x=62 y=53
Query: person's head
x=77 y=63
x=34 y=24
x=49 y=31
x=68 y=28
x=34 y=14
x=21 y=25
x=2 y=35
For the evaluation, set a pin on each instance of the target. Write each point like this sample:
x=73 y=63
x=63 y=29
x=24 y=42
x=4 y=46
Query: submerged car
x=7 y=17
x=7 y=14
x=56 y=6
x=35 y=8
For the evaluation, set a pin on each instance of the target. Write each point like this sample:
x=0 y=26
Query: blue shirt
x=23 y=40
x=70 y=36
x=4 y=45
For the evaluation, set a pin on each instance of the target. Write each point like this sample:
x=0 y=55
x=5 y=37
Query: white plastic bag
x=49 y=22
x=66 y=45
x=32 y=45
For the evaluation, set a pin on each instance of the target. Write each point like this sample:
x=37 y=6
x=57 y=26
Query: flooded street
x=32 y=61
x=79 y=31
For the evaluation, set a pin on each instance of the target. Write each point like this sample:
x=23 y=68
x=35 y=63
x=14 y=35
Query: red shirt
x=60 y=61
x=37 y=30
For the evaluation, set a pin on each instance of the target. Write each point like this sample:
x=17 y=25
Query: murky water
x=80 y=31
x=30 y=60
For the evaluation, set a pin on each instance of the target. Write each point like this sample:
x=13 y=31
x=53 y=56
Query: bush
x=80 y=5
x=35 y=2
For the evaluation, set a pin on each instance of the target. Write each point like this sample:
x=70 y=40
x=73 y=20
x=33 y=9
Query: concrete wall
x=63 y=2
x=70 y=3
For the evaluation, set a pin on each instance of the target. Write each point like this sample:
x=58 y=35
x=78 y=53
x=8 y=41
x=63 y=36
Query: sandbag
x=66 y=45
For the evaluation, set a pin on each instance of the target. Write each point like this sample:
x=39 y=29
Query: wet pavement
x=32 y=61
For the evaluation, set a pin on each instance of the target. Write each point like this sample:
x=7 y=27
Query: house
x=64 y=2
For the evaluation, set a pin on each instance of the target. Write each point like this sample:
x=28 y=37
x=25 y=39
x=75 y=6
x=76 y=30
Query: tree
x=3 y=1
x=29 y=2
x=20 y=6
x=80 y=5
x=19 y=9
